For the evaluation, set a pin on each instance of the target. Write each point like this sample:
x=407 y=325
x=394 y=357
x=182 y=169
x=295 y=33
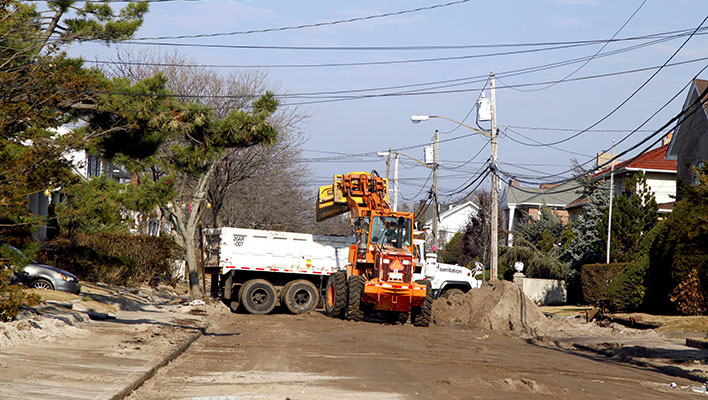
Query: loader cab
x=391 y=231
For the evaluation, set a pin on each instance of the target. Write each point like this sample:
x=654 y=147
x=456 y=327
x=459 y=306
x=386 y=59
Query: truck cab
x=446 y=279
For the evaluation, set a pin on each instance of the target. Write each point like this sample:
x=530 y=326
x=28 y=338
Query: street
x=310 y=356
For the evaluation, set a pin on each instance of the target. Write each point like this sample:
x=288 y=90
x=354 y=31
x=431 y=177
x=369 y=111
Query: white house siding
x=453 y=220
x=663 y=186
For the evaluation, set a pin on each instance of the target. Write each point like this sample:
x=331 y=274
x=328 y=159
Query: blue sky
x=377 y=123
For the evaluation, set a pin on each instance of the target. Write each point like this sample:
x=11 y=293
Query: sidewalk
x=100 y=359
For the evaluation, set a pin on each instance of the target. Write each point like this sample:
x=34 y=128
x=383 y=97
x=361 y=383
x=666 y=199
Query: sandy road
x=282 y=356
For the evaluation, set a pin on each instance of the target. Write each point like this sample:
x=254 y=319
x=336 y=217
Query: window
x=392 y=231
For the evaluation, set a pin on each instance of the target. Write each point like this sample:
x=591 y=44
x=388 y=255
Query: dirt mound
x=500 y=307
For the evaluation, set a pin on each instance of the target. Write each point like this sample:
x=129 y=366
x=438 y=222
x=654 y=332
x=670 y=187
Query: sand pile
x=43 y=324
x=500 y=307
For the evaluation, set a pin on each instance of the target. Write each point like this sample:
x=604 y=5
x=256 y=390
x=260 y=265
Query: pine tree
x=587 y=244
x=634 y=213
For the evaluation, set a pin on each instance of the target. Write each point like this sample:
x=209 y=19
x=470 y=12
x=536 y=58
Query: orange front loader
x=379 y=275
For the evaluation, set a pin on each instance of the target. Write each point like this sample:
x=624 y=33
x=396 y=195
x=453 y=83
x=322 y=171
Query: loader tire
x=299 y=296
x=355 y=287
x=257 y=296
x=422 y=315
x=335 y=295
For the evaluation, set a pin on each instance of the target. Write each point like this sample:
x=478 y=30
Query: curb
x=151 y=372
x=667 y=369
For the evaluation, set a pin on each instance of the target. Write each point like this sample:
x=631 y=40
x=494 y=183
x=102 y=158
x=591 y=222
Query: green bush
x=679 y=256
x=595 y=278
x=627 y=290
x=113 y=258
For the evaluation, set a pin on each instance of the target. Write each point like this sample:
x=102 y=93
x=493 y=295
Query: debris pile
x=500 y=307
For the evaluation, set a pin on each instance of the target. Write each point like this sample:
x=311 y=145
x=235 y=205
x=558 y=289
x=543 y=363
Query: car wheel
x=41 y=284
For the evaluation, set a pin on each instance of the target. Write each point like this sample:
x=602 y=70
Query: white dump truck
x=257 y=270
x=446 y=279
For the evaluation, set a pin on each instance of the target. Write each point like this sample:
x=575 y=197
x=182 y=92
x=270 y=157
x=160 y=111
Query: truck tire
x=299 y=296
x=355 y=286
x=336 y=295
x=421 y=315
x=257 y=296
x=452 y=292
x=281 y=294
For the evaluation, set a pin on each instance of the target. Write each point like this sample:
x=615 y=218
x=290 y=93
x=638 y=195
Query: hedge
x=595 y=278
x=627 y=291
x=113 y=258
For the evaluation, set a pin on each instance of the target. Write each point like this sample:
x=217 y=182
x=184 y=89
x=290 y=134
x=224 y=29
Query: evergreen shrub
x=113 y=258
x=627 y=290
x=595 y=278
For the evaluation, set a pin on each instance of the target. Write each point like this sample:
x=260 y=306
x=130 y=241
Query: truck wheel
x=283 y=290
x=356 y=291
x=336 y=295
x=421 y=315
x=452 y=292
x=300 y=296
x=257 y=296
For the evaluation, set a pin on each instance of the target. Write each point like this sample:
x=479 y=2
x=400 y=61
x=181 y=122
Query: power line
x=667 y=34
x=539 y=128
x=593 y=56
x=646 y=121
x=334 y=99
x=303 y=26
x=686 y=112
x=331 y=99
x=633 y=93
x=366 y=63
x=537 y=143
x=660 y=39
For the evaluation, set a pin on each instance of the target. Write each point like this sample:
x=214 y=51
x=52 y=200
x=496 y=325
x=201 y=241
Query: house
x=660 y=174
x=85 y=165
x=452 y=218
x=517 y=202
x=689 y=144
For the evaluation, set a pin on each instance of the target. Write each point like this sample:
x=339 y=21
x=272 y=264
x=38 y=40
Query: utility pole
x=435 y=192
x=493 y=261
x=609 y=214
x=395 y=181
x=388 y=162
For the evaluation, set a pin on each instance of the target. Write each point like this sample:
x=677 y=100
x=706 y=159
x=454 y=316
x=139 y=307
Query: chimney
x=667 y=139
x=603 y=158
x=514 y=183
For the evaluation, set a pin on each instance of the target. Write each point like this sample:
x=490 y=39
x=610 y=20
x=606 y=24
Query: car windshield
x=394 y=231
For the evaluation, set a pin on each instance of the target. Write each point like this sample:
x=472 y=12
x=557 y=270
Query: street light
x=495 y=199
